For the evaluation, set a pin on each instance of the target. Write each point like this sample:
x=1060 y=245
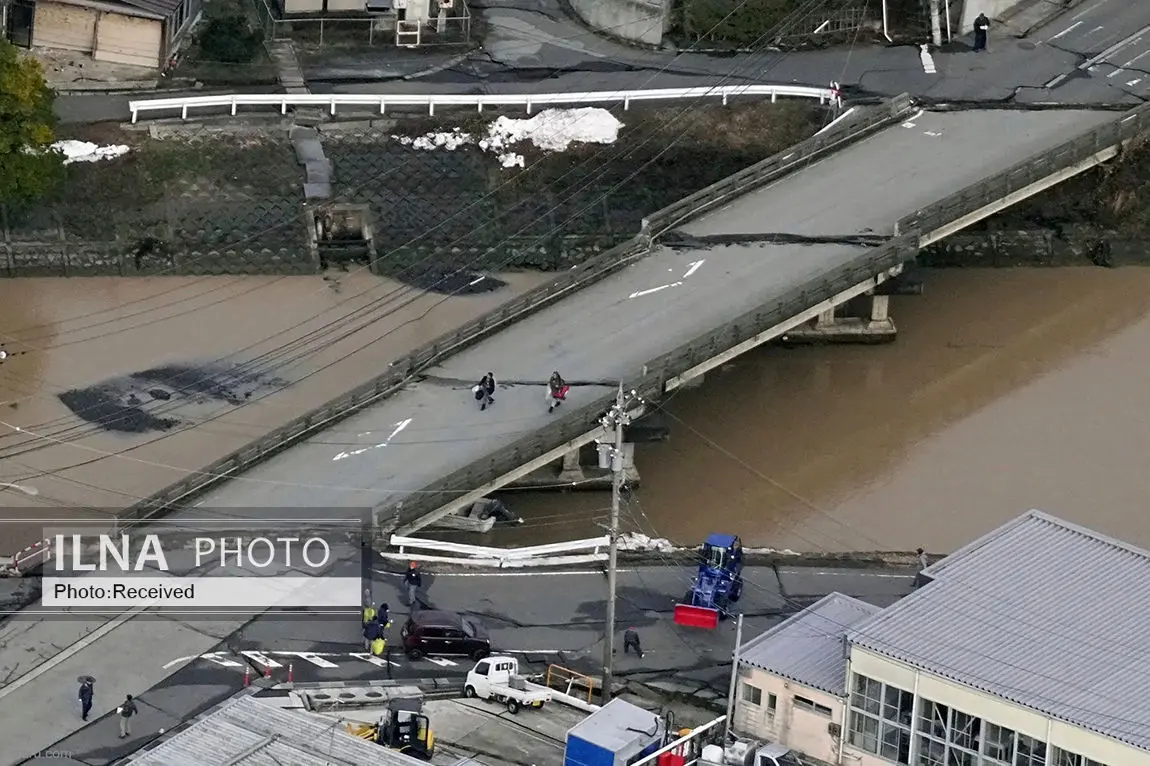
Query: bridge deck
x=609 y=329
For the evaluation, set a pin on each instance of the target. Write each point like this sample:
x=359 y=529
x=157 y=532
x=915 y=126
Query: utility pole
x=617 y=419
x=734 y=678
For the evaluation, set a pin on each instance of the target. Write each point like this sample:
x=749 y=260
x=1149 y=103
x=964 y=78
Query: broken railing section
x=588 y=551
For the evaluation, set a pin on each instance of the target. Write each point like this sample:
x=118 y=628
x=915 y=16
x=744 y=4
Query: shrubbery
x=229 y=39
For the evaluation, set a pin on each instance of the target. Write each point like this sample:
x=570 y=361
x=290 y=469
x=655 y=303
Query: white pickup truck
x=498 y=678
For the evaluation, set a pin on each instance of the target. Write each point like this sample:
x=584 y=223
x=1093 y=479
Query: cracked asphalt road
x=1097 y=54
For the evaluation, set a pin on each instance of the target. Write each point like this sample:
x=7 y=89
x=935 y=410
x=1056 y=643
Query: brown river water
x=94 y=333
x=1006 y=390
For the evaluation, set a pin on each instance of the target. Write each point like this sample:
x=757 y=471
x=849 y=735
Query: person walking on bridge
x=86 y=693
x=485 y=390
x=981 y=27
x=557 y=389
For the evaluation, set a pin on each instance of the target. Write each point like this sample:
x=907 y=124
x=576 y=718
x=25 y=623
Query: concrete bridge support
x=863 y=320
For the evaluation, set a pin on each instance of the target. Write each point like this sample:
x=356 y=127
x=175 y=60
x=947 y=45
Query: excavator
x=404 y=728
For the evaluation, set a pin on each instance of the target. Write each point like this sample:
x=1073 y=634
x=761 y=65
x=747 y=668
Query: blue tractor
x=717 y=585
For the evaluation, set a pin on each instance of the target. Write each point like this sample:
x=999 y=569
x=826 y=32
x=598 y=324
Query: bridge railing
x=649 y=383
x=381 y=101
x=472 y=332
x=979 y=195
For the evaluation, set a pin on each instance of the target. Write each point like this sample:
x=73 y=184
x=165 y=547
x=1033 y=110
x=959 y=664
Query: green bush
x=229 y=39
x=734 y=22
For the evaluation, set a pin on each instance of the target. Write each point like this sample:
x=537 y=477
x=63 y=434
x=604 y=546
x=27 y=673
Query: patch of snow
x=552 y=130
x=85 y=151
x=637 y=541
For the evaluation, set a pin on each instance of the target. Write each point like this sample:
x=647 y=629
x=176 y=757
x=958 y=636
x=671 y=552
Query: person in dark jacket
x=383 y=616
x=412 y=582
x=981 y=27
x=631 y=641
x=371 y=631
x=86 y=692
x=484 y=390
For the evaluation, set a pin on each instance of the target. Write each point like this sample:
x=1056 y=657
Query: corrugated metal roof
x=616 y=725
x=1040 y=612
x=808 y=647
x=163 y=8
x=249 y=732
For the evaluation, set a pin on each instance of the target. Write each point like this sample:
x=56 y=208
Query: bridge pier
x=579 y=469
x=571 y=469
x=863 y=320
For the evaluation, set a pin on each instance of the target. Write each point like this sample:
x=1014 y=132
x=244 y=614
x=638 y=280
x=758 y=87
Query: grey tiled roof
x=265 y=735
x=808 y=647
x=1043 y=613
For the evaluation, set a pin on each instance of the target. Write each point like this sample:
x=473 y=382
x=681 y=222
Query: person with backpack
x=557 y=390
x=126 y=710
x=484 y=391
x=372 y=632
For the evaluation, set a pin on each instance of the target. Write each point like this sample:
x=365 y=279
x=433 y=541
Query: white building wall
x=990 y=708
x=779 y=717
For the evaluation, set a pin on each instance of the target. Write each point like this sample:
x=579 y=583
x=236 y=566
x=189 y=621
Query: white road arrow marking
x=221 y=658
x=262 y=659
x=442 y=662
x=398 y=428
x=312 y=657
x=691 y=269
x=179 y=660
x=927 y=60
x=379 y=661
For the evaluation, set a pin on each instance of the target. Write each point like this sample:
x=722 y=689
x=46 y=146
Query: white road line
x=838 y=573
x=71 y=651
x=373 y=659
x=441 y=662
x=910 y=123
x=927 y=60
x=1065 y=31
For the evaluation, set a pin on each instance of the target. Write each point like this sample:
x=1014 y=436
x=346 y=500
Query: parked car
x=437 y=633
x=498 y=678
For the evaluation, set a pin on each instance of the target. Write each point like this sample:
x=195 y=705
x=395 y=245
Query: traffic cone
x=267 y=671
x=247 y=676
x=291 y=674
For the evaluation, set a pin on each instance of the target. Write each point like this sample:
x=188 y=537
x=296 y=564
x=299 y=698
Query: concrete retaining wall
x=1071 y=246
x=641 y=21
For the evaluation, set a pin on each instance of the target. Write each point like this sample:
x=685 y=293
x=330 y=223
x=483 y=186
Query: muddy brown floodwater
x=1006 y=390
x=123 y=386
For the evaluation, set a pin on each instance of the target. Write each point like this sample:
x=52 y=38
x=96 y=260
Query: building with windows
x=1027 y=647
x=792 y=678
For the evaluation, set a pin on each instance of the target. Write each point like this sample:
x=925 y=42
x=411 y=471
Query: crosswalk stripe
x=379 y=661
x=262 y=659
x=312 y=657
x=441 y=662
x=220 y=658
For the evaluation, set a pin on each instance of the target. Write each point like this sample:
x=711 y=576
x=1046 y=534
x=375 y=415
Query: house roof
x=808 y=647
x=1040 y=612
x=264 y=735
x=162 y=8
x=617 y=726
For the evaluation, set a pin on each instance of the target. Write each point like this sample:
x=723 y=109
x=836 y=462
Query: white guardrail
x=233 y=101
x=555 y=554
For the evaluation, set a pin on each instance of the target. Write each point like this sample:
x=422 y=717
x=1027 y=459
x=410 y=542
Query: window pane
x=956 y=757
x=863 y=732
x=932 y=719
x=930 y=752
x=772 y=702
x=897 y=705
x=867 y=695
x=964 y=730
x=1031 y=752
x=895 y=744
x=999 y=743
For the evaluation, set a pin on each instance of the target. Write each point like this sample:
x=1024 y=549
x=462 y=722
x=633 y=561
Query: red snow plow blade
x=696 y=616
